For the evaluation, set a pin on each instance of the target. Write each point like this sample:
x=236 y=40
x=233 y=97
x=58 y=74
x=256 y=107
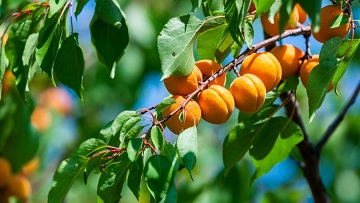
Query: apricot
x=265 y=66
x=289 y=58
x=5 y=172
x=273 y=28
x=8 y=81
x=30 y=167
x=327 y=16
x=57 y=99
x=41 y=118
x=19 y=186
x=191 y=115
x=216 y=104
x=209 y=67
x=184 y=85
x=307 y=67
x=302 y=13
x=249 y=93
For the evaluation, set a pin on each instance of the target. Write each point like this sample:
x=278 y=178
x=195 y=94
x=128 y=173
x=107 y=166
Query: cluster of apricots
x=16 y=185
x=298 y=15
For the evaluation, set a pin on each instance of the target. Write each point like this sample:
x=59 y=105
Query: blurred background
x=64 y=121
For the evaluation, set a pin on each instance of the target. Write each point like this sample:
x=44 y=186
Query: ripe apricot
x=302 y=13
x=273 y=28
x=5 y=172
x=57 y=99
x=19 y=187
x=191 y=115
x=41 y=118
x=327 y=16
x=209 y=67
x=307 y=67
x=30 y=167
x=249 y=93
x=216 y=104
x=8 y=81
x=265 y=66
x=183 y=85
x=289 y=58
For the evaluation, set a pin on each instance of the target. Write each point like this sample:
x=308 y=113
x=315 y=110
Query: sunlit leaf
x=187 y=146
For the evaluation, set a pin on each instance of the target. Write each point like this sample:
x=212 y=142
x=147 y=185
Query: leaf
x=313 y=10
x=121 y=119
x=344 y=63
x=134 y=148
x=262 y=113
x=187 y=146
x=340 y=20
x=195 y=4
x=213 y=8
x=330 y=49
x=134 y=178
x=262 y=6
x=79 y=6
x=111 y=180
x=164 y=104
x=171 y=153
x=158 y=174
x=225 y=46
x=89 y=146
x=47 y=48
x=176 y=45
x=273 y=144
x=30 y=48
x=289 y=84
x=110 y=42
x=285 y=11
x=157 y=137
x=130 y=129
x=239 y=141
x=248 y=33
x=64 y=177
x=69 y=65
x=206 y=48
x=4 y=63
x=56 y=6
x=110 y=12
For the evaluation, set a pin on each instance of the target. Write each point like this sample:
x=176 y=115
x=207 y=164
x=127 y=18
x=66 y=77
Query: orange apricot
x=30 y=167
x=249 y=93
x=57 y=99
x=8 y=81
x=41 y=118
x=183 y=85
x=302 y=13
x=307 y=67
x=273 y=28
x=19 y=187
x=327 y=16
x=191 y=115
x=5 y=172
x=209 y=67
x=265 y=66
x=216 y=104
x=289 y=58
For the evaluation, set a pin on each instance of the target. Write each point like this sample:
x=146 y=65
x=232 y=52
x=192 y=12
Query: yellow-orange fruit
x=41 y=118
x=178 y=85
x=191 y=115
x=57 y=99
x=302 y=13
x=19 y=187
x=265 y=66
x=307 y=67
x=216 y=104
x=8 y=81
x=30 y=167
x=273 y=28
x=249 y=93
x=5 y=172
x=289 y=58
x=327 y=16
x=209 y=67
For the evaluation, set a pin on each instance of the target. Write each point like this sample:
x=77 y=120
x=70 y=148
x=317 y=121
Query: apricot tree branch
x=330 y=130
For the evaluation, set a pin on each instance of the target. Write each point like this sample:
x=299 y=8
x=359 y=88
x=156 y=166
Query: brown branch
x=310 y=164
x=337 y=121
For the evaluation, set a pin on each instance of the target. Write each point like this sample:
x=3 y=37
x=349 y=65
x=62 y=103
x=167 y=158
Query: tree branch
x=337 y=121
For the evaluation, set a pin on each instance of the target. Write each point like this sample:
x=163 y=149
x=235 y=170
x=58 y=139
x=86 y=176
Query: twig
x=330 y=130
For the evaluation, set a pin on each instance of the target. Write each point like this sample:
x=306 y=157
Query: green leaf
x=110 y=12
x=289 y=84
x=273 y=144
x=30 y=48
x=213 y=8
x=187 y=146
x=206 y=48
x=121 y=119
x=285 y=11
x=330 y=49
x=134 y=178
x=90 y=146
x=130 y=129
x=79 y=6
x=64 y=177
x=70 y=64
x=262 y=6
x=340 y=20
x=110 y=42
x=195 y=4
x=235 y=12
x=112 y=178
x=176 y=45
x=313 y=10
x=158 y=173
x=171 y=153
x=4 y=63
x=262 y=113
x=157 y=137
x=56 y=6
x=239 y=141
x=164 y=104
x=225 y=46
x=134 y=148
x=344 y=63
x=248 y=33
x=47 y=48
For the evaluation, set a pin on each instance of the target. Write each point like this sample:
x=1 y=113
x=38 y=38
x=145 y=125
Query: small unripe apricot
x=183 y=85
x=273 y=28
x=19 y=187
x=249 y=93
x=265 y=66
x=216 y=104
x=5 y=172
x=209 y=67
x=191 y=115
